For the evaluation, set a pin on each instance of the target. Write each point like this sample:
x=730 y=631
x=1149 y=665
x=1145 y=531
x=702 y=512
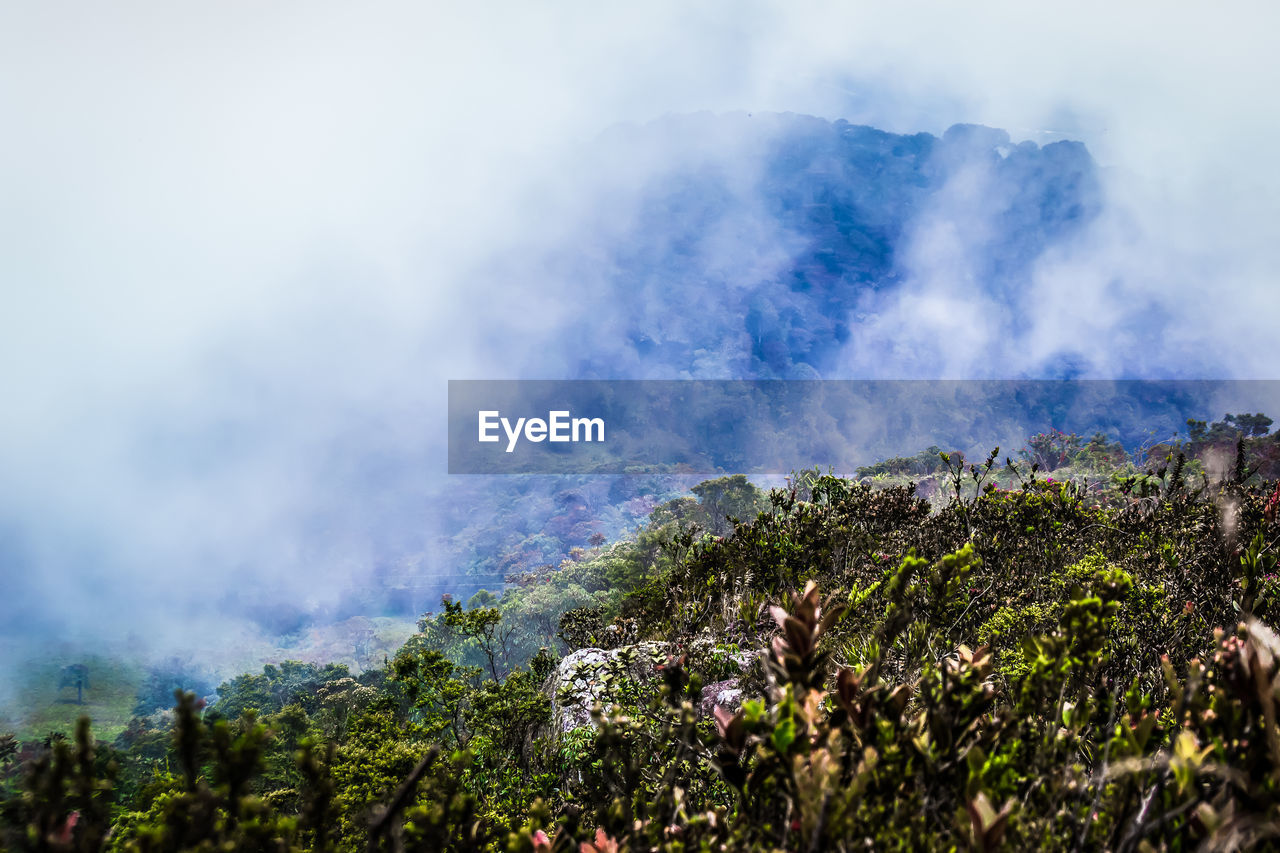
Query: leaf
x=798 y=636
x=986 y=825
x=723 y=717
x=848 y=685
x=976 y=758
x=831 y=617
x=784 y=734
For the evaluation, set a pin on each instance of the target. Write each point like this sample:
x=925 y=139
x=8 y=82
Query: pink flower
x=602 y=844
x=63 y=835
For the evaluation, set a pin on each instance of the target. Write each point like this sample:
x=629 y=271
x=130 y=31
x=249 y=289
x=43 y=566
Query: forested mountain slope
x=1070 y=650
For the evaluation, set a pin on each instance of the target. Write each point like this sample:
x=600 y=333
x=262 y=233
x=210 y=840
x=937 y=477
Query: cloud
x=244 y=247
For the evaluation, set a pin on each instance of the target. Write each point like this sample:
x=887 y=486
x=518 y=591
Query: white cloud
x=234 y=236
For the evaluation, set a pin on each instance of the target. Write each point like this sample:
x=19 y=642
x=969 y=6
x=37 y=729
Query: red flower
x=601 y=844
x=1270 y=512
x=63 y=835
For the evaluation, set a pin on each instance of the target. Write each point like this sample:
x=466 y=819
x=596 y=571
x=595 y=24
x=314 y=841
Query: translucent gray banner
x=775 y=427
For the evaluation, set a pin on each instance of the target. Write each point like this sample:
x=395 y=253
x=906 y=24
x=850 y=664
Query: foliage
x=1035 y=662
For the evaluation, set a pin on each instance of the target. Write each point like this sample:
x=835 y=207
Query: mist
x=244 y=248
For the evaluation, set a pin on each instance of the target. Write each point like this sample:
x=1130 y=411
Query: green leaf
x=784 y=734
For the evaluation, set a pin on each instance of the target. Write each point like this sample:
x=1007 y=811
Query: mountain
x=753 y=246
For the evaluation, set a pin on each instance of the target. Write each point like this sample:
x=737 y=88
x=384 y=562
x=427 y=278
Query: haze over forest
x=245 y=249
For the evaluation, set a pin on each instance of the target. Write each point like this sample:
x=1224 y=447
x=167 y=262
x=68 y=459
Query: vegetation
x=1071 y=649
x=109 y=697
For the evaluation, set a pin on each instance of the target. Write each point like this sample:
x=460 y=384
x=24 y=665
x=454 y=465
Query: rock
x=727 y=694
x=593 y=676
x=596 y=676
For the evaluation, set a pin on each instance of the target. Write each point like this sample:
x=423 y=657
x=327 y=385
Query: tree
x=728 y=498
x=1251 y=425
x=461 y=632
x=76 y=675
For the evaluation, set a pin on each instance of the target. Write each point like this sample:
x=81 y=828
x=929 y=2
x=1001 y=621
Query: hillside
x=781 y=234
x=706 y=245
x=1069 y=650
x=753 y=246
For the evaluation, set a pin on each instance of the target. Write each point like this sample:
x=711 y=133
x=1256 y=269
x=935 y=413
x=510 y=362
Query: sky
x=241 y=244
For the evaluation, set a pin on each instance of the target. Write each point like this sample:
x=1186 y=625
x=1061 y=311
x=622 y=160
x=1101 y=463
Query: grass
x=32 y=705
x=39 y=707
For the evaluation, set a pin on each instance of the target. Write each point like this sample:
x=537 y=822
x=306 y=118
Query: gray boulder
x=605 y=677
x=727 y=694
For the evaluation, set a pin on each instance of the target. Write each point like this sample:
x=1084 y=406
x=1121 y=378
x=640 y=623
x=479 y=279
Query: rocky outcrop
x=605 y=677
x=625 y=676
x=727 y=694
